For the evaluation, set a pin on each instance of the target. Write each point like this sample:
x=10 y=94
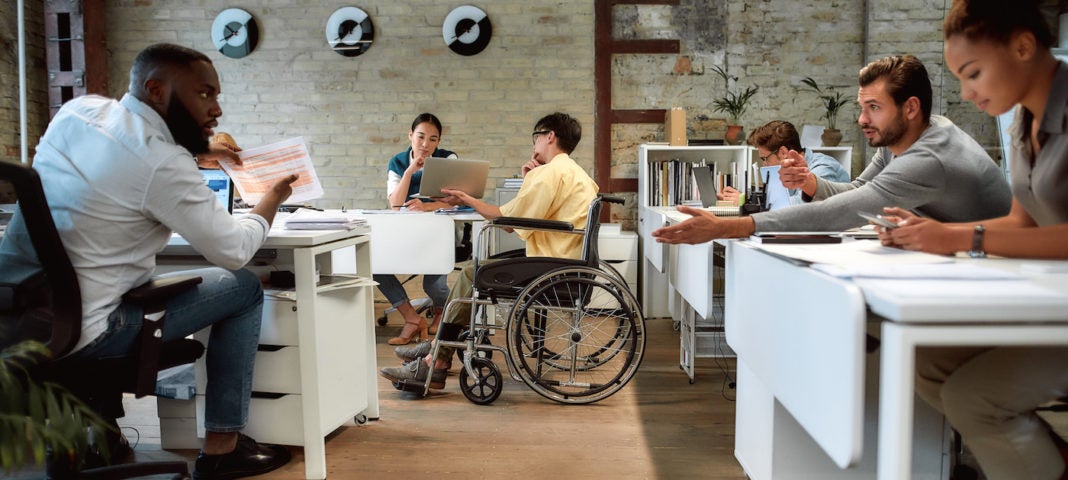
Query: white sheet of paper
x=852 y=254
x=263 y=166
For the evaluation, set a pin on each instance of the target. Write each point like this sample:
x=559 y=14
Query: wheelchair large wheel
x=487 y=384
x=576 y=335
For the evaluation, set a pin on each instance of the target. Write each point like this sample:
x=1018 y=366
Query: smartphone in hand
x=878 y=220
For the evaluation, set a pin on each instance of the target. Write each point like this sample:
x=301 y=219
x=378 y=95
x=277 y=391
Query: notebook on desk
x=223 y=186
x=466 y=175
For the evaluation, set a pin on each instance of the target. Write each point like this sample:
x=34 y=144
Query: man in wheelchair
x=554 y=188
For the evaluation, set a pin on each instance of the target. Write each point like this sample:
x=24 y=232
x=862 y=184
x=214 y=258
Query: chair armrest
x=156 y=292
x=536 y=223
x=152 y=297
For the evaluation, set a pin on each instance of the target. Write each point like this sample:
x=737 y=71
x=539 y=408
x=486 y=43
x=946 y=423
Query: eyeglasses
x=534 y=136
x=765 y=157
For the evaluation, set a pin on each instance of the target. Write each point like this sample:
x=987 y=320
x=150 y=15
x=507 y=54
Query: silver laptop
x=466 y=175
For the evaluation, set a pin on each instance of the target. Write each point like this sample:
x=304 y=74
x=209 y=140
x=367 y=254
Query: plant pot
x=734 y=135
x=831 y=137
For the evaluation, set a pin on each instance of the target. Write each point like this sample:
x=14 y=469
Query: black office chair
x=47 y=308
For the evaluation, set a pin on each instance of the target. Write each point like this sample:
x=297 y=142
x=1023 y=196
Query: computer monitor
x=220 y=183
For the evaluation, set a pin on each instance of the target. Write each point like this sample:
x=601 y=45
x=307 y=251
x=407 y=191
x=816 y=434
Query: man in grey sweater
x=924 y=163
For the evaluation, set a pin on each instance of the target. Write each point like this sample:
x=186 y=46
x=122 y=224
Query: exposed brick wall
x=36 y=79
x=355 y=112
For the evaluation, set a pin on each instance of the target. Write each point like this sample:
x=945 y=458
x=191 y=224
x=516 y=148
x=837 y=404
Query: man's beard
x=892 y=134
x=184 y=128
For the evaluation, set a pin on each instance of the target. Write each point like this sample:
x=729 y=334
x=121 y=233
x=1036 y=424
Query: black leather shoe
x=248 y=458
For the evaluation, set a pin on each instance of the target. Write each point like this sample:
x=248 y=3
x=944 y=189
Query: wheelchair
x=574 y=333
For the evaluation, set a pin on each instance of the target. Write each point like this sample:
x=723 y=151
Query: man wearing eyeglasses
x=922 y=161
x=554 y=188
x=778 y=141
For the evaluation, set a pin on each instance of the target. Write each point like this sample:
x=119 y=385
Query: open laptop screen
x=453 y=173
x=220 y=183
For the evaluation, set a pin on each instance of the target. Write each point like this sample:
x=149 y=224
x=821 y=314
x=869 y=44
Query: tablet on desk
x=465 y=175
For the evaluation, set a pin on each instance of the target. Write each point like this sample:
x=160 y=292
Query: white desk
x=807 y=392
x=410 y=242
x=320 y=367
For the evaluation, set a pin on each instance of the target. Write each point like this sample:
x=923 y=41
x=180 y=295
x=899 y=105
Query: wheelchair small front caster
x=486 y=386
x=480 y=353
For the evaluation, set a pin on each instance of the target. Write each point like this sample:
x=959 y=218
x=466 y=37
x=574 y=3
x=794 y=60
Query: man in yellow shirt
x=554 y=188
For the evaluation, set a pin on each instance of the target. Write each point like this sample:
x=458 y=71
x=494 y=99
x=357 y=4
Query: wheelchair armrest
x=540 y=224
x=157 y=291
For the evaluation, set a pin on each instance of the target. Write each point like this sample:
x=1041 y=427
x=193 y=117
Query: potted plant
x=734 y=105
x=39 y=417
x=832 y=103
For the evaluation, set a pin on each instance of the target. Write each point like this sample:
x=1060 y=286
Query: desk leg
x=314 y=448
x=896 y=409
x=363 y=267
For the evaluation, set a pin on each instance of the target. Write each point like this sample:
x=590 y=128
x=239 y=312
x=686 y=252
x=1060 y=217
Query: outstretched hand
x=793 y=171
x=702 y=226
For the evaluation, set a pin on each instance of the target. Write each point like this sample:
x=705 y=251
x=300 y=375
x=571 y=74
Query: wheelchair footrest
x=410 y=386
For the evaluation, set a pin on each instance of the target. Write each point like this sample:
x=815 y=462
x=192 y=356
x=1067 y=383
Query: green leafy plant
x=734 y=104
x=832 y=102
x=36 y=417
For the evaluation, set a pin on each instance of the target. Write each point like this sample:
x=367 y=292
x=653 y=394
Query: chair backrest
x=60 y=285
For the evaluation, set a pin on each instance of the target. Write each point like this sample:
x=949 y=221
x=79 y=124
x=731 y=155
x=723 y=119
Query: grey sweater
x=945 y=175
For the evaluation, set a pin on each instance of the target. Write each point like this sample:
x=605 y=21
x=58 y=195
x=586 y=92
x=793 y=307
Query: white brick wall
x=355 y=112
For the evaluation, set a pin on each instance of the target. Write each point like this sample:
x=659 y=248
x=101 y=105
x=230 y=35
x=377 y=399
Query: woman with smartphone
x=1000 y=52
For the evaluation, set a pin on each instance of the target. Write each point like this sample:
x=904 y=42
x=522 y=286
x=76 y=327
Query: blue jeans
x=435 y=286
x=231 y=303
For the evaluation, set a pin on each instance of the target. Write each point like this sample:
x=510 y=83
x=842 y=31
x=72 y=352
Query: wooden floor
x=659 y=426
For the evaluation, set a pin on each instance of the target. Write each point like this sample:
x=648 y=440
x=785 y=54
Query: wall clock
x=235 y=33
x=467 y=30
x=349 y=31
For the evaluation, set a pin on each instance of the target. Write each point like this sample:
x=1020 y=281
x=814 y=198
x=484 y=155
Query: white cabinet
x=316 y=366
x=503 y=240
x=620 y=250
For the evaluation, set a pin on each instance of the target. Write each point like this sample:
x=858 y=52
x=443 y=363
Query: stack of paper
x=308 y=219
x=512 y=183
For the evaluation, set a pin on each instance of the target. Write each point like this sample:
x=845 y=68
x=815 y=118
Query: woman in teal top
x=405 y=174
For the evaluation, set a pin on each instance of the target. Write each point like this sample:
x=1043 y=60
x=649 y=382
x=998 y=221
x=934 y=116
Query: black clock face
x=234 y=33
x=349 y=31
x=467 y=30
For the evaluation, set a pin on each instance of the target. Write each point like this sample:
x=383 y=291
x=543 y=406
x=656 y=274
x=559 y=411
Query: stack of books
x=512 y=183
x=310 y=219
